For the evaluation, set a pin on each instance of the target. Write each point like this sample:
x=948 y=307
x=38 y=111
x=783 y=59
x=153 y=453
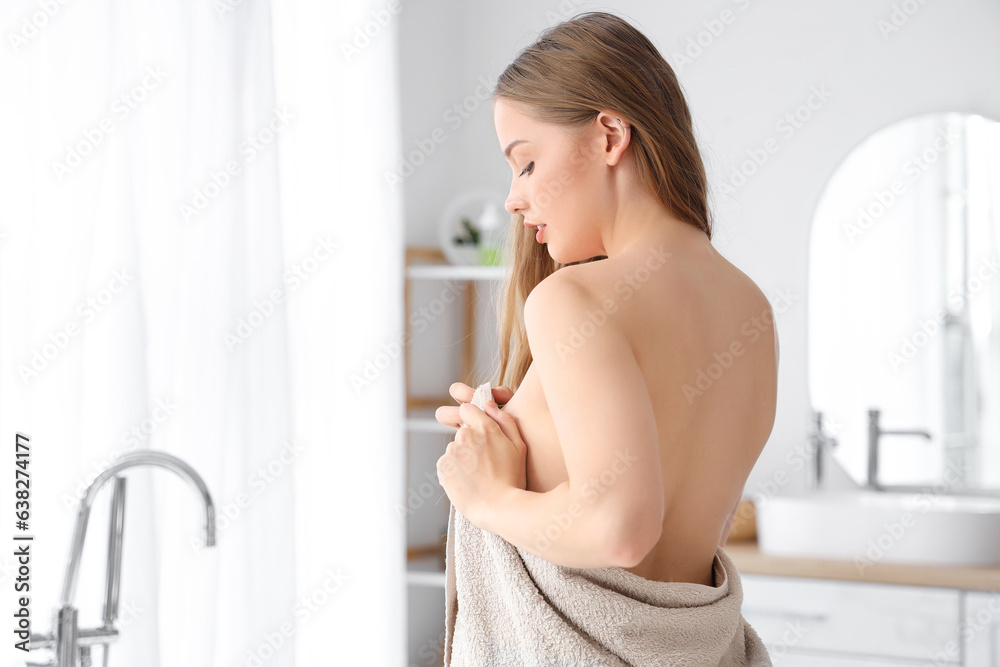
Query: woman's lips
x=538 y=226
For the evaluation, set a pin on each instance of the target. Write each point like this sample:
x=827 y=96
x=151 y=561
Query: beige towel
x=506 y=606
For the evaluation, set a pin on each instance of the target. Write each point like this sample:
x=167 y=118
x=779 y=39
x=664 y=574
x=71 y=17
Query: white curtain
x=199 y=254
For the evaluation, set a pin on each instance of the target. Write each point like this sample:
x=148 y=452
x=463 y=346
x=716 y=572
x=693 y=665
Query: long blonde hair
x=592 y=62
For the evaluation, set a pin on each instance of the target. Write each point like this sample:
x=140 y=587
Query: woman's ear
x=617 y=135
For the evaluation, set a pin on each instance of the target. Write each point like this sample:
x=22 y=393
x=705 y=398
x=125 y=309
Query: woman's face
x=560 y=180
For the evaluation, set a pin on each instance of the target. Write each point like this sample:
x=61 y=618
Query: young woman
x=642 y=382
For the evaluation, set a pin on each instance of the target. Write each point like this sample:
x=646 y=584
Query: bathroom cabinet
x=828 y=623
x=981 y=628
x=442 y=303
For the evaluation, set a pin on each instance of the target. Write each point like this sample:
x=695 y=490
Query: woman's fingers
x=463 y=393
x=448 y=415
x=502 y=394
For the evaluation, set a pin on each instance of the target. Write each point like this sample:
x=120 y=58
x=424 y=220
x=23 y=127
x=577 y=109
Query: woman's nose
x=514 y=205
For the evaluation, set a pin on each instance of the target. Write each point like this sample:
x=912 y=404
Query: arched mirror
x=904 y=303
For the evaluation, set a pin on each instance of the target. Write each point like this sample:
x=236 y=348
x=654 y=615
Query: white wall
x=761 y=66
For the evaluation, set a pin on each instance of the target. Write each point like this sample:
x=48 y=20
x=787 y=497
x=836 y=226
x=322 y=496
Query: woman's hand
x=486 y=459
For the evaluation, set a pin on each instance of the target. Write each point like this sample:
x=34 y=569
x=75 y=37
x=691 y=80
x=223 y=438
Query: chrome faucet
x=66 y=639
x=874 y=433
x=817 y=440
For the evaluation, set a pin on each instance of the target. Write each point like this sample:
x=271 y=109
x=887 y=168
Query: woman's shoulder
x=558 y=287
x=579 y=283
x=621 y=275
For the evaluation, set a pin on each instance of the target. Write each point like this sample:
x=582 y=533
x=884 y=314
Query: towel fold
x=505 y=606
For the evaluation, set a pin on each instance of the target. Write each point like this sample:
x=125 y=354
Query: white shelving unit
x=425 y=561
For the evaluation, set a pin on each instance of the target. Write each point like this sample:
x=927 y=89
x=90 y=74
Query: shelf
x=455 y=272
x=429 y=263
x=425 y=565
x=425 y=571
x=416 y=405
x=423 y=421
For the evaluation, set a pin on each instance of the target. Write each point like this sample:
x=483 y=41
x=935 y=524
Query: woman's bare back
x=703 y=335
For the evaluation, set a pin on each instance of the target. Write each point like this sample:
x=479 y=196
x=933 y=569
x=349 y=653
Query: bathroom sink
x=870 y=527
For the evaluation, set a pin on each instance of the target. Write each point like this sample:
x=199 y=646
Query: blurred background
x=263 y=238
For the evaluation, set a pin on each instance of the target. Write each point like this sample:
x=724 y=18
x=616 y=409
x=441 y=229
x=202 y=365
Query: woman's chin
x=564 y=259
x=555 y=255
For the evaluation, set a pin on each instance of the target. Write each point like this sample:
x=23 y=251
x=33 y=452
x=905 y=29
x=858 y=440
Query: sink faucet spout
x=875 y=432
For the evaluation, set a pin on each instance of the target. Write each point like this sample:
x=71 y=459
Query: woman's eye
x=529 y=168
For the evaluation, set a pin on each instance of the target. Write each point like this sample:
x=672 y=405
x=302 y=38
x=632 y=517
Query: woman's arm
x=606 y=427
x=556 y=526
